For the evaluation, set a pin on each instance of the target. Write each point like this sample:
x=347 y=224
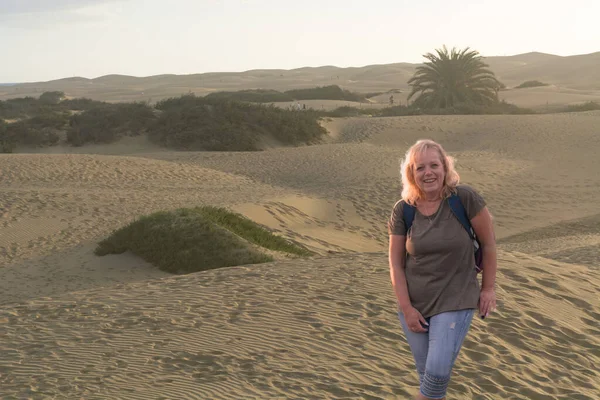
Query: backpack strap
x=456 y=206
x=408 y=213
x=461 y=214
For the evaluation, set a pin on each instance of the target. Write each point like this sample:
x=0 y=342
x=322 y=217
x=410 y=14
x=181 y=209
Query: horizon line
x=273 y=69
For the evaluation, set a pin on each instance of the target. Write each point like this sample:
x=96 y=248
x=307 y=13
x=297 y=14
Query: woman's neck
x=431 y=198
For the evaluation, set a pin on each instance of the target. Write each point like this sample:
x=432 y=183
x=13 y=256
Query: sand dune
x=78 y=326
x=548 y=97
x=549 y=68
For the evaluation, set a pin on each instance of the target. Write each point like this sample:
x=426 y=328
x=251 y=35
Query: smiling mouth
x=429 y=180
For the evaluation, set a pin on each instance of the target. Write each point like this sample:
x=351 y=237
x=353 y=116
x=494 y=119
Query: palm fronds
x=453 y=77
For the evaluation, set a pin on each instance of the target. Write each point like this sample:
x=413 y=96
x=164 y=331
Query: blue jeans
x=435 y=351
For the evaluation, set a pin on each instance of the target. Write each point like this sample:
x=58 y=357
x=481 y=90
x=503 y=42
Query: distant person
x=433 y=263
x=391 y=100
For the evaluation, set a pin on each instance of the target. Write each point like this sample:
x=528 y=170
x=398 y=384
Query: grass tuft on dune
x=196 y=239
x=528 y=84
x=251 y=231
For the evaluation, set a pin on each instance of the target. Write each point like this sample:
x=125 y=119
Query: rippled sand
x=78 y=326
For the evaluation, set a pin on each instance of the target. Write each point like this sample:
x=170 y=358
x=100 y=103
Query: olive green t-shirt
x=440 y=267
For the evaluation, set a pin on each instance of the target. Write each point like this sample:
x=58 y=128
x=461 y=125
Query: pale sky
x=49 y=39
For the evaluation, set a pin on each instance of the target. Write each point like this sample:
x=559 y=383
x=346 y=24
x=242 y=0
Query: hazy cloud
x=16 y=7
x=44 y=14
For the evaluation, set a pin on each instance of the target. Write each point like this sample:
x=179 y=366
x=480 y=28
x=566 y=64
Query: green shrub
x=249 y=230
x=202 y=128
x=332 y=92
x=6 y=146
x=501 y=107
x=48 y=120
x=200 y=123
x=109 y=122
x=81 y=104
x=51 y=97
x=49 y=102
x=39 y=131
x=528 y=84
x=587 y=106
x=187 y=240
x=23 y=107
x=23 y=134
x=252 y=95
x=403 y=111
x=7 y=141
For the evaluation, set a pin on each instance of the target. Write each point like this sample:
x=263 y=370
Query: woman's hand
x=414 y=319
x=487 y=302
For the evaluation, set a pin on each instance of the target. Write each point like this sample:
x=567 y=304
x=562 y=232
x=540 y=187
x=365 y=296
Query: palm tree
x=449 y=79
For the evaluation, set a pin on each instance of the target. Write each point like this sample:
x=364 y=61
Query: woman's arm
x=484 y=229
x=397 y=259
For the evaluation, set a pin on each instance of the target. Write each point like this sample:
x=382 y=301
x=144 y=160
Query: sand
x=74 y=325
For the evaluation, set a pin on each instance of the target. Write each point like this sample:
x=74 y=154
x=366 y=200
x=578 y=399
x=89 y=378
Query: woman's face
x=429 y=172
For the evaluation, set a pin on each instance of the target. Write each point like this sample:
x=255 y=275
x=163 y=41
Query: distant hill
x=573 y=72
x=578 y=73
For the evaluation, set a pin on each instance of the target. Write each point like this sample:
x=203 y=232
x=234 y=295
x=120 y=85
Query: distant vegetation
x=528 y=84
x=38 y=131
x=587 y=106
x=23 y=107
x=109 y=122
x=500 y=107
x=252 y=95
x=348 y=111
x=197 y=239
x=373 y=94
x=51 y=97
x=81 y=104
x=219 y=121
x=48 y=102
x=185 y=123
x=7 y=144
x=196 y=123
x=332 y=92
x=496 y=108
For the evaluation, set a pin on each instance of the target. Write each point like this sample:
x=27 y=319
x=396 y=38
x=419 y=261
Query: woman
x=432 y=266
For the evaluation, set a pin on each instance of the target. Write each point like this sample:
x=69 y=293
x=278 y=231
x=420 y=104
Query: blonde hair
x=410 y=190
